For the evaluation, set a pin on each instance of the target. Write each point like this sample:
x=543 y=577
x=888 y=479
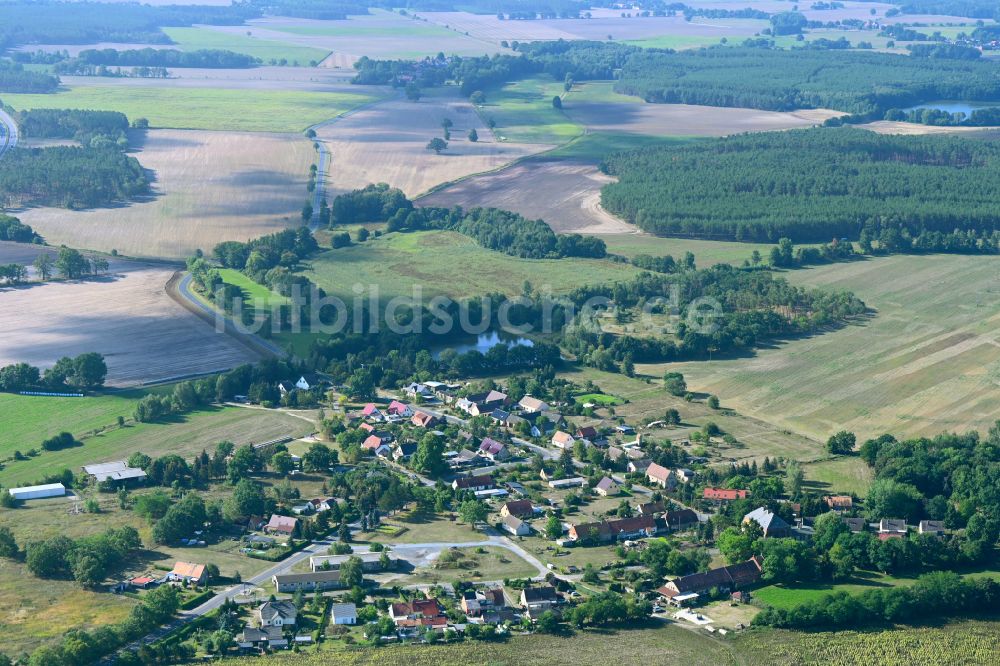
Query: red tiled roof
x=723 y=494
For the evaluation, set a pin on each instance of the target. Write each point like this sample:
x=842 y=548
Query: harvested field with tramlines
x=127 y=316
x=927 y=361
x=209 y=187
x=387 y=142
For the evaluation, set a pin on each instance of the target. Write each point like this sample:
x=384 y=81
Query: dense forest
x=492 y=228
x=810 y=186
x=852 y=81
x=71 y=177
x=980 y=9
x=204 y=58
x=87 y=127
x=15 y=78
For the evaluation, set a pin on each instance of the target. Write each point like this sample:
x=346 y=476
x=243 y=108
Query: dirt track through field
x=127 y=316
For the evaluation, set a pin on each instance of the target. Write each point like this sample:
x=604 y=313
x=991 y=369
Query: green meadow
x=203 y=108
x=270 y=52
x=524 y=113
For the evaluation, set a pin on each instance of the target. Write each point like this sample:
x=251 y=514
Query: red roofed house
x=281 y=525
x=367 y=427
x=728 y=578
x=587 y=432
x=839 y=502
x=610 y=530
x=418 y=615
x=562 y=440
x=520 y=508
x=376 y=445
x=723 y=494
x=372 y=412
x=397 y=408
x=423 y=419
x=188 y=573
x=660 y=475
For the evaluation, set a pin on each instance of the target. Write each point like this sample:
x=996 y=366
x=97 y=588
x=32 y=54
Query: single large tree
x=437 y=145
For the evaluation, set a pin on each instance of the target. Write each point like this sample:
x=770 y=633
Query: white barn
x=38 y=492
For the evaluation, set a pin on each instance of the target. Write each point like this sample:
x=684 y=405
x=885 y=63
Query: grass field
x=706 y=253
x=846 y=474
x=27 y=420
x=40 y=612
x=472 y=565
x=789 y=596
x=676 y=42
x=523 y=112
x=257 y=294
x=178 y=107
x=270 y=52
x=926 y=362
x=184 y=435
x=208 y=187
x=448 y=263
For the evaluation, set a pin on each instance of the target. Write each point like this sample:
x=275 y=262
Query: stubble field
x=387 y=142
x=127 y=316
x=209 y=187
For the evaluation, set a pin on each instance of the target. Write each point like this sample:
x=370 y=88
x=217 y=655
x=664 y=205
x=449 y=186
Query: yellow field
x=209 y=187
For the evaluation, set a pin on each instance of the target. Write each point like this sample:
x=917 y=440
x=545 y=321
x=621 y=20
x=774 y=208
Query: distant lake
x=483 y=342
x=955 y=107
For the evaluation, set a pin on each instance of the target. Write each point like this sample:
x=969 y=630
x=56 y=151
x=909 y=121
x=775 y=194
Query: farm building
x=369 y=562
x=307 y=582
x=117 y=471
x=38 y=492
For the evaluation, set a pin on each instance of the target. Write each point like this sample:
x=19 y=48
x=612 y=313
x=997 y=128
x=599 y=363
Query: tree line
x=809 y=186
x=86 y=371
x=79 y=125
x=12 y=229
x=149 y=57
x=492 y=228
x=14 y=78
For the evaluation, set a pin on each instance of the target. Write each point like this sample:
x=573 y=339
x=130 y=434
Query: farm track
x=8 y=141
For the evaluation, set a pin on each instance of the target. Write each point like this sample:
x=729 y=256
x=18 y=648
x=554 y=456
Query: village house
x=638 y=466
x=418 y=616
x=372 y=412
x=520 y=508
x=839 y=502
x=723 y=494
x=533 y=405
x=651 y=508
x=343 y=614
x=463 y=458
x=687 y=588
x=399 y=410
x=606 y=487
x=186 y=572
x=891 y=528
x=516 y=526
x=571 y=482
x=660 y=476
x=856 y=525
x=423 y=419
x=933 y=527
x=404 y=450
x=772 y=525
x=283 y=525
x=493 y=450
x=375 y=445
x=276 y=614
x=415 y=389
x=307 y=582
x=263 y=637
x=483 y=604
x=614 y=530
x=587 y=432
x=562 y=440
x=537 y=599
x=473 y=483
x=624 y=429
x=680 y=520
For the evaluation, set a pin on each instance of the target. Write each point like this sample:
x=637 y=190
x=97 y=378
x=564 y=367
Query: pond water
x=952 y=106
x=483 y=342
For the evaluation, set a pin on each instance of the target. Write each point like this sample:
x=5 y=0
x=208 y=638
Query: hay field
x=128 y=317
x=387 y=142
x=914 y=129
x=707 y=253
x=448 y=263
x=209 y=187
x=523 y=112
x=566 y=194
x=171 y=106
x=927 y=362
x=381 y=34
x=270 y=51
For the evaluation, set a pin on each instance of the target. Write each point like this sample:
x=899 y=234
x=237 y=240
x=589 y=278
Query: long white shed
x=38 y=492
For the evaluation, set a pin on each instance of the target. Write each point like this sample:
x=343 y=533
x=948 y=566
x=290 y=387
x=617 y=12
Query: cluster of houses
x=275 y=623
x=653 y=519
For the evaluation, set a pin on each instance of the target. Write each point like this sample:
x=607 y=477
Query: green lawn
x=598 y=399
x=257 y=294
x=353 y=30
x=203 y=108
x=524 y=113
x=28 y=420
x=184 y=435
x=789 y=596
x=846 y=474
x=598 y=145
x=270 y=52
x=450 y=264
x=676 y=41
